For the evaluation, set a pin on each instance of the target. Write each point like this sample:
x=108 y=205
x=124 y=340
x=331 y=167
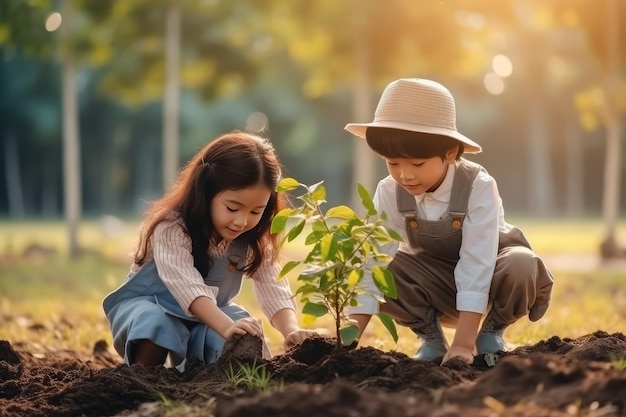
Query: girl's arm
x=276 y=300
x=286 y=322
x=210 y=314
x=172 y=254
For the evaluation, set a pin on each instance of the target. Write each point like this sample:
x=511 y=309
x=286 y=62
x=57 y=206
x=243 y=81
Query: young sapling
x=343 y=245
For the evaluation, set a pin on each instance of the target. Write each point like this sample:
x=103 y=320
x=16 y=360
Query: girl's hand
x=248 y=325
x=298 y=336
x=459 y=352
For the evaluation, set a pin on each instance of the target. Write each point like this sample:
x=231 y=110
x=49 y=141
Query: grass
x=48 y=300
x=251 y=376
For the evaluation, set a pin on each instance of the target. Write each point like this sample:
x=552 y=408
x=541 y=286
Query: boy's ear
x=451 y=154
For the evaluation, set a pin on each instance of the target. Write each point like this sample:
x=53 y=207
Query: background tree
x=604 y=100
x=364 y=45
x=296 y=72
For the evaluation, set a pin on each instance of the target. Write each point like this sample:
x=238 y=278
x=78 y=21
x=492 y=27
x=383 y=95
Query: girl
x=195 y=245
x=460 y=259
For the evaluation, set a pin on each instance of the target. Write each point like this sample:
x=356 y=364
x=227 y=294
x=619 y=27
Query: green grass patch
x=49 y=300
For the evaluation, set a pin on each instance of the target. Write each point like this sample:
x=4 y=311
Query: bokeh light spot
x=502 y=65
x=494 y=84
x=257 y=122
x=53 y=21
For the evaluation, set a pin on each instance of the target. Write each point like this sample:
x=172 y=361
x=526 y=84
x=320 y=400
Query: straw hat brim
x=359 y=130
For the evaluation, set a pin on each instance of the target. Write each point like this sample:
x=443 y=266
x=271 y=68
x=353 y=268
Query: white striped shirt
x=171 y=250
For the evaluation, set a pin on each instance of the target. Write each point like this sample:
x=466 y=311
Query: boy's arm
x=464 y=340
x=362 y=321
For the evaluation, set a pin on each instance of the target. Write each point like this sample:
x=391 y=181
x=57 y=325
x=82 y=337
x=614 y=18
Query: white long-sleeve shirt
x=485 y=219
x=171 y=250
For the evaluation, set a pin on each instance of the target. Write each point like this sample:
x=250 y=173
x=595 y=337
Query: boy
x=460 y=258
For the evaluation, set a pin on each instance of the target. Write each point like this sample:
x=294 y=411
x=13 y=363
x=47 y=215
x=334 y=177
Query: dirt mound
x=555 y=377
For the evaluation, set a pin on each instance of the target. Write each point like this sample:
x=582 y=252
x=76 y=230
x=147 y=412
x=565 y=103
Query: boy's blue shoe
x=489 y=339
x=490 y=342
x=434 y=343
x=431 y=350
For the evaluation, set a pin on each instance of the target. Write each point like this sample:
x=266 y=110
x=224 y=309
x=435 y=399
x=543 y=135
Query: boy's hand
x=464 y=341
x=459 y=352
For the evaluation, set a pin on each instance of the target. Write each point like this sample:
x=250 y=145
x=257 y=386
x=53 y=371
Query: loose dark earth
x=555 y=377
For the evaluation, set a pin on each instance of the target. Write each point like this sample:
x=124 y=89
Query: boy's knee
x=520 y=258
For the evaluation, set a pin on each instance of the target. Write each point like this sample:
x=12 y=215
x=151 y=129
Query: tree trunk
x=574 y=191
x=172 y=90
x=71 y=145
x=541 y=182
x=612 y=167
x=363 y=161
x=13 y=176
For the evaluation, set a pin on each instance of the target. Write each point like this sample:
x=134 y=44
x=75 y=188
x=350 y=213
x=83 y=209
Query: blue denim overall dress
x=143 y=308
x=424 y=266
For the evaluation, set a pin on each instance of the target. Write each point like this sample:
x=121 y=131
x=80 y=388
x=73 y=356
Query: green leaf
x=313 y=187
x=395 y=235
x=328 y=247
x=354 y=277
x=349 y=334
x=287 y=184
x=387 y=321
x=279 y=222
x=315 y=270
x=383 y=278
x=366 y=199
x=383 y=258
x=381 y=236
x=293 y=233
x=325 y=283
x=319 y=226
x=341 y=212
x=315 y=237
x=306 y=289
x=314 y=309
x=307 y=319
x=287 y=268
x=319 y=194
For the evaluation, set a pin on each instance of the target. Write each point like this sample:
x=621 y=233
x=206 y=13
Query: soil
x=555 y=377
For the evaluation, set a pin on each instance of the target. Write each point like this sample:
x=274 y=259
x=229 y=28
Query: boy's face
x=418 y=176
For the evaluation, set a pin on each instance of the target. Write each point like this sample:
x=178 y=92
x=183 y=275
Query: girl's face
x=234 y=212
x=418 y=176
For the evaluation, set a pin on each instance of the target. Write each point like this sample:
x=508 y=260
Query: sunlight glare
x=53 y=21
x=257 y=122
x=471 y=20
x=502 y=65
x=493 y=84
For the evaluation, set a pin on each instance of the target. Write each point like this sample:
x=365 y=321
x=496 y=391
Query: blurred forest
x=102 y=101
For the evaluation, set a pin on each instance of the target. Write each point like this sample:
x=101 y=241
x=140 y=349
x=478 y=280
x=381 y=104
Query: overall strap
x=407 y=207
x=237 y=254
x=464 y=176
x=405 y=202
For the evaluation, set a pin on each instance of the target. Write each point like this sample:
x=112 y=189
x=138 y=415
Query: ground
x=555 y=377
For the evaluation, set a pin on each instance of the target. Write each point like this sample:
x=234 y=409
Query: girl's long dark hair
x=232 y=161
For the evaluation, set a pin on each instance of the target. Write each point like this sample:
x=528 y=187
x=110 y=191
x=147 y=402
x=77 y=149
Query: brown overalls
x=424 y=266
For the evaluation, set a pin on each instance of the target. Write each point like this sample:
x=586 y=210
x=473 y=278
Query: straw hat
x=416 y=105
